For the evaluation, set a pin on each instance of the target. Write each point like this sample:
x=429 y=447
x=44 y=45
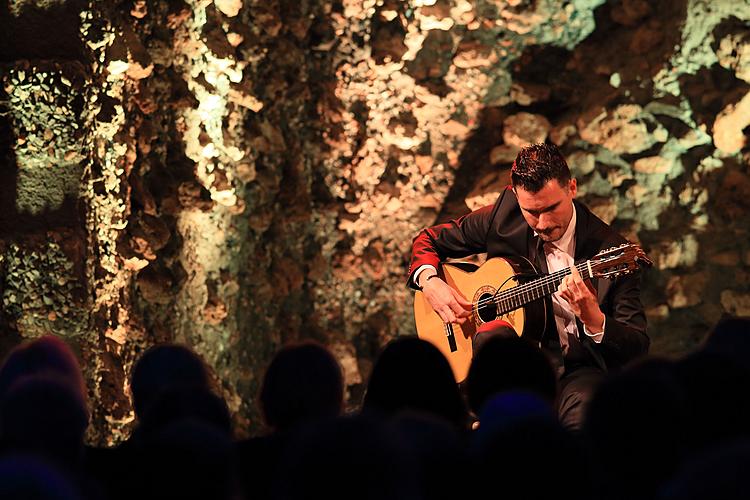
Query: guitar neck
x=518 y=296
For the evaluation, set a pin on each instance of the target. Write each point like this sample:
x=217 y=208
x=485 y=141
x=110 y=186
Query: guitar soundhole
x=486 y=307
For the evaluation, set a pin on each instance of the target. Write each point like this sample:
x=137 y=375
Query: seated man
x=597 y=326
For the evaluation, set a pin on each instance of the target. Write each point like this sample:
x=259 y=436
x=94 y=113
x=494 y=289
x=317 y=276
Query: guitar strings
x=530 y=287
x=507 y=295
x=510 y=294
x=513 y=295
x=582 y=268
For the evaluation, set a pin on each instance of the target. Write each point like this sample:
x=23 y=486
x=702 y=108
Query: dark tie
x=539 y=260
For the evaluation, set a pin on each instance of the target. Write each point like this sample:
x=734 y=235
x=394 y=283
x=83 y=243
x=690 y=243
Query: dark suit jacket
x=500 y=230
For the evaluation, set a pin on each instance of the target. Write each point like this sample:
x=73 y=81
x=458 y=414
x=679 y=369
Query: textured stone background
x=232 y=174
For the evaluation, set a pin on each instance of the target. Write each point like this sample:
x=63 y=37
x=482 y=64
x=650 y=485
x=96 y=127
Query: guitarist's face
x=549 y=210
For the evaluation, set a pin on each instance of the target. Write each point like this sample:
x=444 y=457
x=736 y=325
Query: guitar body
x=479 y=286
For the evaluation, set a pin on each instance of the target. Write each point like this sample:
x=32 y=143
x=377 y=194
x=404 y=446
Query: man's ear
x=573 y=187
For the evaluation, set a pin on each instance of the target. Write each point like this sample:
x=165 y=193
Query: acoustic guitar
x=509 y=289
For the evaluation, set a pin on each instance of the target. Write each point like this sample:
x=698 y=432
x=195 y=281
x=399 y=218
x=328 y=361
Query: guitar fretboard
x=518 y=296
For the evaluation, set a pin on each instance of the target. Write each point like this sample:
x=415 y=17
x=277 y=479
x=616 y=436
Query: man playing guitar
x=594 y=325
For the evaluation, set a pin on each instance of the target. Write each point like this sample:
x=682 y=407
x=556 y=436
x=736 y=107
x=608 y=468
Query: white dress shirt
x=559 y=255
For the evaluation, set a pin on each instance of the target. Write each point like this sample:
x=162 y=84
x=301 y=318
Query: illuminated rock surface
x=236 y=174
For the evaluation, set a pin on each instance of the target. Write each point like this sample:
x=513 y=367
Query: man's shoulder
x=596 y=230
x=506 y=210
x=507 y=200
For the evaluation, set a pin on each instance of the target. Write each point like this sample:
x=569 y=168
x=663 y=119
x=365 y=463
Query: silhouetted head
x=180 y=403
x=509 y=363
x=303 y=382
x=25 y=477
x=44 y=415
x=412 y=374
x=717 y=397
x=504 y=410
x=432 y=442
x=344 y=458
x=730 y=337
x=640 y=412
x=162 y=368
x=541 y=180
x=521 y=451
x=47 y=355
x=718 y=474
x=187 y=459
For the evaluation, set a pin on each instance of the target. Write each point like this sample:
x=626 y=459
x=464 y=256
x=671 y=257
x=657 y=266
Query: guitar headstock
x=619 y=261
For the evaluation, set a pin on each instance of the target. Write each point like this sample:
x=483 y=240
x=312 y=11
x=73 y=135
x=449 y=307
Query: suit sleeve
x=460 y=237
x=625 y=328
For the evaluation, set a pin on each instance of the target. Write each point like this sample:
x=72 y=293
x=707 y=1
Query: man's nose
x=545 y=222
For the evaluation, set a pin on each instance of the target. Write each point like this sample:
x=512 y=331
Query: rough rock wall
x=232 y=174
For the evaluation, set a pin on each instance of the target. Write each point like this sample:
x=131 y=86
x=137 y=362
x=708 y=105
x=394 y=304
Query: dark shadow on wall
x=474 y=162
x=632 y=43
x=710 y=90
x=12 y=221
x=636 y=44
x=633 y=39
x=35 y=32
x=8 y=168
x=8 y=337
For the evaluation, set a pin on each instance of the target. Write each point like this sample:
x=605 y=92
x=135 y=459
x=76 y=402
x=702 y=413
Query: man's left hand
x=582 y=299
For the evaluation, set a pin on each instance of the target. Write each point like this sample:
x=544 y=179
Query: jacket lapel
x=587 y=246
x=535 y=251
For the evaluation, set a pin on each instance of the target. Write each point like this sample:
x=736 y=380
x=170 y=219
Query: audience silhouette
x=521 y=448
x=637 y=428
x=44 y=415
x=28 y=477
x=412 y=374
x=47 y=355
x=508 y=364
x=433 y=444
x=660 y=429
x=303 y=384
x=718 y=474
x=43 y=409
x=165 y=367
x=345 y=457
x=170 y=383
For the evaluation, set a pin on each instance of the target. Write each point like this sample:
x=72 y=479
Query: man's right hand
x=448 y=303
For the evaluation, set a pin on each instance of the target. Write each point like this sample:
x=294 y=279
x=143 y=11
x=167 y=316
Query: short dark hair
x=538 y=164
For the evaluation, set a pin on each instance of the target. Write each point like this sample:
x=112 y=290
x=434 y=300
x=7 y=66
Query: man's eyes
x=537 y=213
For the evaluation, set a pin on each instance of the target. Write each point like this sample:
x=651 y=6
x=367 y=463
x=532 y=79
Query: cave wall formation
x=233 y=174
